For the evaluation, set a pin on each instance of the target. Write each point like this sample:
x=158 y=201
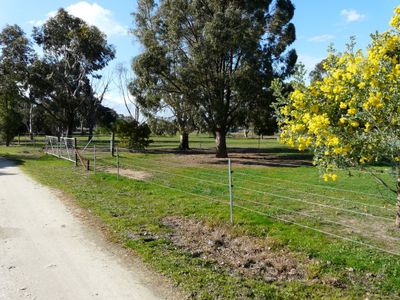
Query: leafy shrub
x=133 y=134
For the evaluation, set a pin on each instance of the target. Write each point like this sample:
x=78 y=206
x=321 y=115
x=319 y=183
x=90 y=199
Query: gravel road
x=46 y=252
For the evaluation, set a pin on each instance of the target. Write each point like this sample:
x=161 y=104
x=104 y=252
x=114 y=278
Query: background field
x=339 y=236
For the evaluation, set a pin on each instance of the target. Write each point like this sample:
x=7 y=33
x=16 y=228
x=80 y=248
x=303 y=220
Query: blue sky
x=318 y=23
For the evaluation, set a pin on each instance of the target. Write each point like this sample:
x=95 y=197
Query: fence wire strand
x=291 y=189
x=108 y=165
x=267 y=193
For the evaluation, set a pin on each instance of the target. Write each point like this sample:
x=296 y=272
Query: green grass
x=267 y=195
x=197 y=141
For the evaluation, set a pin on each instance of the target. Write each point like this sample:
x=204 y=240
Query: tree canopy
x=213 y=58
x=16 y=56
x=73 y=54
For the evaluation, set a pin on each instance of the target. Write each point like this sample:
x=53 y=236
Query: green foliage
x=215 y=59
x=16 y=55
x=10 y=124
x=106 y=118
x=319 y=72
x=161 y=126
x=133 y=135
x=73 y=54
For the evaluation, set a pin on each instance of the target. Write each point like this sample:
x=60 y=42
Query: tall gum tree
x=217 y=56
x=161 y=84
x=15 y=59
x=74 y=52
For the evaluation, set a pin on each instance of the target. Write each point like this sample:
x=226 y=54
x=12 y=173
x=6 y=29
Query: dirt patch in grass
x=243 y=159
x=383 y=233
x=249 y=256
x=138 y=175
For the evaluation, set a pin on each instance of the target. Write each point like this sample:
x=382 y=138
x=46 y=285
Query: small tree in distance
x=351 y=116
x=134 y=136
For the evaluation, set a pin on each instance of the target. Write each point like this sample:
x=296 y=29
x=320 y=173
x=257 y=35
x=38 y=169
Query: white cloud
x=112 y=100
x=93 y=14
x=322 y=38
x=351 y=15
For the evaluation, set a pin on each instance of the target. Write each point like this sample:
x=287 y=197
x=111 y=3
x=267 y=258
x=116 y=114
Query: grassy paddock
x=197 y=141
x=344 y=230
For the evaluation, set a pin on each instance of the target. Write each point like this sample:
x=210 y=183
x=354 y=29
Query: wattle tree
x=350 y=117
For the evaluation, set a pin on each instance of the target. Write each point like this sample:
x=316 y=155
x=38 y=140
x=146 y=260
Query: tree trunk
x=220 y=141
x=112 y=144
x=82 y=128
x=70 y=128
x=398 y=203
x=90 y=132
x=184 y=141
x=137 y=113
x=31 y=122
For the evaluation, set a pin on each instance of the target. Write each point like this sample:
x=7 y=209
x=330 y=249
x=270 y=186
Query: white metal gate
x=64 y=148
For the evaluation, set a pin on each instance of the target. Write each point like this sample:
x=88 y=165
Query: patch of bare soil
x=238 y=158
x=138 y=175
x=381 y=232
x=246 y=255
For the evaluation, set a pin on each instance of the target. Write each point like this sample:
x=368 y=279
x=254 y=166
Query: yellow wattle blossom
x=338 y=151
x=351 y=111
x=354 y=124
x=361 y=85
x=339 y=117
x=318 y=123
x=332 y=140
x=395 y=21
x=328 y=176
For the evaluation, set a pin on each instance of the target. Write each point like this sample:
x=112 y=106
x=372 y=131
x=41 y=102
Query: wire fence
x=349 y=215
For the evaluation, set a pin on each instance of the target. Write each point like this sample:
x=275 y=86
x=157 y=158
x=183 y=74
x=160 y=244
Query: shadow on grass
x=268 y=157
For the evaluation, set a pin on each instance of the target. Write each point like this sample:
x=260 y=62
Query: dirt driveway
x=48 y=253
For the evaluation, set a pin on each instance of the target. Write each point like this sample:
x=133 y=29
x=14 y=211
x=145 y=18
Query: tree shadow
x=7 y=161
x=264 y=157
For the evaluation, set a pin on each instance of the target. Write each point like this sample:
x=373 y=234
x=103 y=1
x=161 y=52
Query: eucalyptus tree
x=218 y=57
x=15 y=59
x=161 y=83
x=73 y=54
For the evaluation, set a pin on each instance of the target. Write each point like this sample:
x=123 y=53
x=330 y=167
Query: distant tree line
x=206 y=65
